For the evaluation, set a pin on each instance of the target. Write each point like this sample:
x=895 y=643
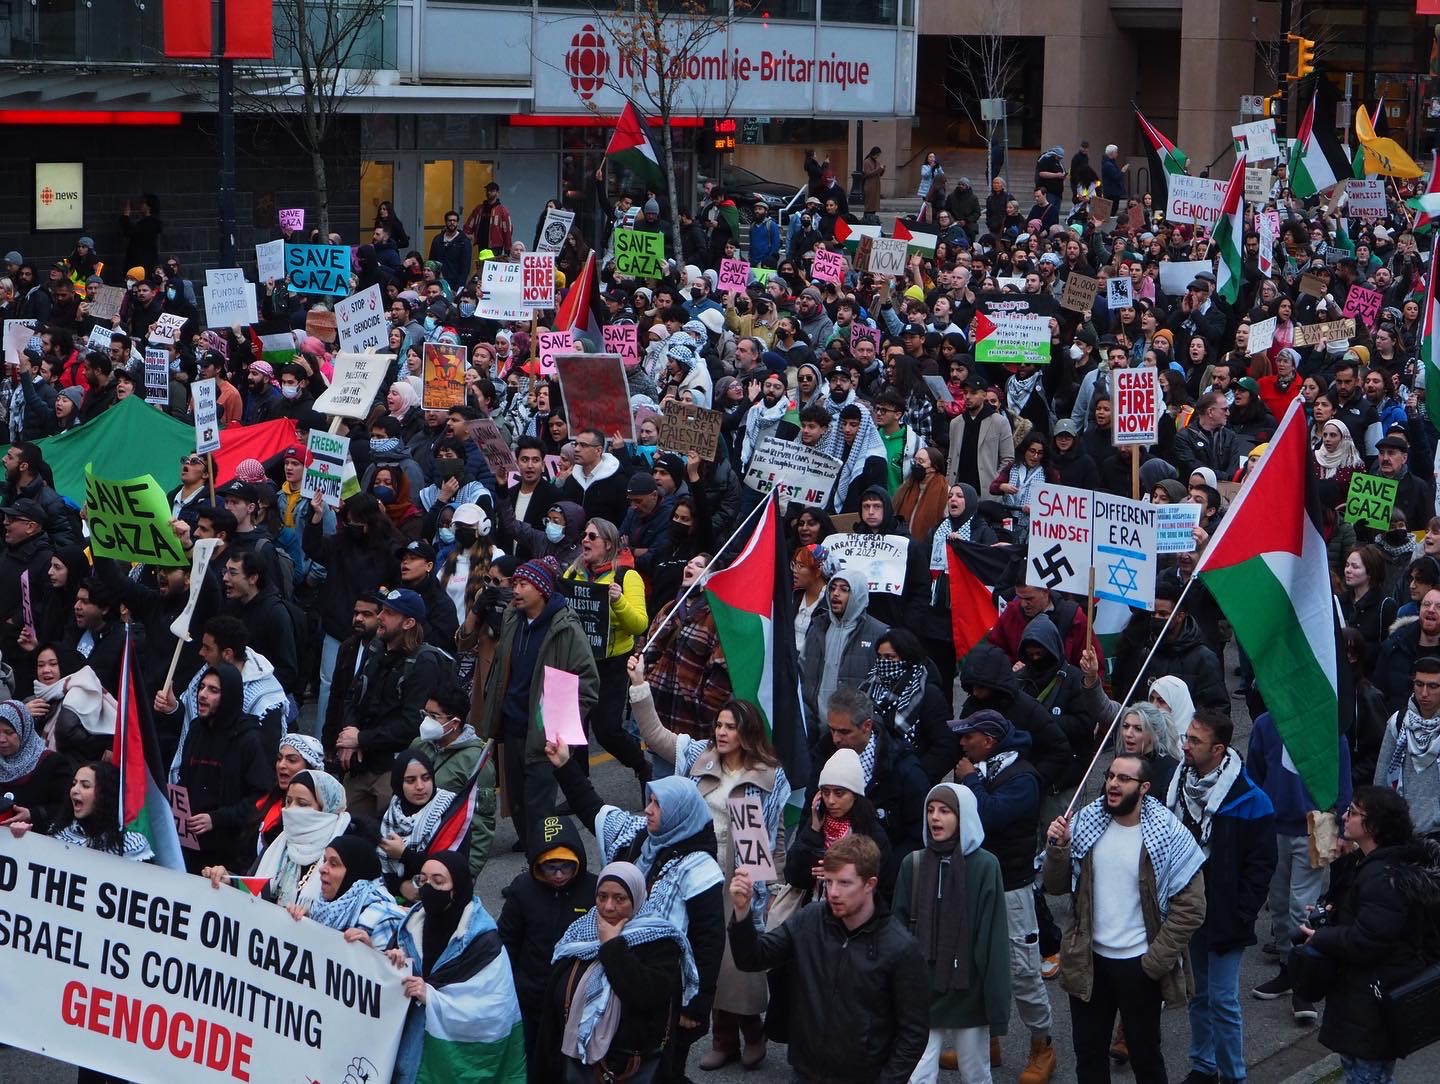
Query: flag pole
x=713 y=558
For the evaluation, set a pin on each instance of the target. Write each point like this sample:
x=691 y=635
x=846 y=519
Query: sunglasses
x=590 y=536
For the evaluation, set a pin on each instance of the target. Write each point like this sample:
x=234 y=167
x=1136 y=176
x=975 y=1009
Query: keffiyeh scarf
x=1174 y=855
x=1195 y=798
x=416 y=829
x=896 y=688
x=1416 y=737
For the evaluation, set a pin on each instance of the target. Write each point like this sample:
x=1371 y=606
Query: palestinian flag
x=580 y=308
x=136 y=752
x=1428 y=203
x=1317 y=161
x=1430 y=337
x=454 y=827
x=631 y=151
x=849 y=233
x=975 y=573
x=916 y=244
x=1165 y=159
x=251 y=886
x=751 y=604
x=1229 y=235
x=1267 y=569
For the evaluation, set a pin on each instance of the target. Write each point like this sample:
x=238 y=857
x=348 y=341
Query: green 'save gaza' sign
x=1370 y=500
x=130 y=521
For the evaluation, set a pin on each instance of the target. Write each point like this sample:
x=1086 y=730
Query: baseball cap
x=1065 y=427
x=419 y=548
x=641 y=484
x=243 y=491
x=404 y=602
x=25 y=508
x=987 y=721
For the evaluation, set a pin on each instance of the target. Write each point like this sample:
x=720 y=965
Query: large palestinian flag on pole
x=1430 y=338
x=1267 y=568
x=1165 y=159
x=1317 y=161
x=135 y=750
x=751 y=602
x=631 y=149
x=1229 y=235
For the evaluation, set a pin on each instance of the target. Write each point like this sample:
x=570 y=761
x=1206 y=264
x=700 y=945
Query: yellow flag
x=1383 y=155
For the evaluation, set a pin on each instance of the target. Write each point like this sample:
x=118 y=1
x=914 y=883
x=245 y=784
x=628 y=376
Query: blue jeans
x=329 y=651
x=1217 y=1033
x=1362 y=1071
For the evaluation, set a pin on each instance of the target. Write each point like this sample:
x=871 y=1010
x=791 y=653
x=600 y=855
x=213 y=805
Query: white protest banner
x=270 y=261
x=360 y=321
x=1259 y=139
x=1119 y=293
x=500 y=292
x=537 y=280
x=207 y=416
x=151 y=975
x=887 y=257
x=750 y=839
x=17 y=336
x=556 y=228
x=734 y=276
x=1014 y=340
x=1262 y=335
x=1124 y=559
x=1257 y=184
x=326 y=453
x=622 y=339
x=229 y=299
x=201 y=551
x=157 y=375
x=803 y=474
x=166 y=328
x=880 y=558
x=1175 y=527
x=1268 y=230
x=353 y=386
x=99 y=338
x=828 y=266
x=292 y=218
x=1176 y=275
x=1137 y=406
x=552 y=343
x=1365 y=198
x=1194 y=199
x=1058 y=556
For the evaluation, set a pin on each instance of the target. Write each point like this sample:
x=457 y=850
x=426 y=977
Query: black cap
x=976 y=382
x=640 y=485
x=913 y=329
x=25 y=508
x=241 y=490
x=419 y=548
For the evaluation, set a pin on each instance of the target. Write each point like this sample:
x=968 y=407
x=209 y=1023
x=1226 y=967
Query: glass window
x=439 y=197
x=875 y=12
x=377 y=184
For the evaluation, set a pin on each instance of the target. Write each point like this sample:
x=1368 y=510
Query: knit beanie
x=539 y=574
x=843 y=770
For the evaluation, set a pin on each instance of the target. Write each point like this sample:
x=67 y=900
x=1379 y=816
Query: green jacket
x=566 y=647
x=453 y=767
x=987 y=1002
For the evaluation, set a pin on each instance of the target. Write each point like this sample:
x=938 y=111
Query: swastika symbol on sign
x=1055 y=567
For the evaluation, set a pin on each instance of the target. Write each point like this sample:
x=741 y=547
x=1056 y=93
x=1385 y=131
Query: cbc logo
x=587 y=62
x=48 y=196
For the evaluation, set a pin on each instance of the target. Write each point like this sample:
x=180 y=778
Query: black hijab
x=440 y=926
x=359 y=858
x=397 y=779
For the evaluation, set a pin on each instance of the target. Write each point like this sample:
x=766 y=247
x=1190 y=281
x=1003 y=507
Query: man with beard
x=1408 y=752
x=1233 y=821
x=1134 y=871
x=262 y=398
x=25 y=474
x=99 y=386
x=979 y=438
x=763 y=419
x=354 y=653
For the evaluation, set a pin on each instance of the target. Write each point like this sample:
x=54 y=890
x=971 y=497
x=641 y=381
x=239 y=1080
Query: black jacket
x=1392 y=667
x=271 y=633
x=61 y=522
x=897 y=789
x=387 y=701
x=535 y=915
x=987 y=669
x=441 y=621
x=1381 y=930
x=544 y=497
x=352 y=569
x=1056 y=687
x=1183 y=655
x=908 y=607
x=1009 y=806
x=861 y=1012
x=808 y=848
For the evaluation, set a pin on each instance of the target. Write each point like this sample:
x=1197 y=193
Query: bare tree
x=989 y=63
x=328 y=51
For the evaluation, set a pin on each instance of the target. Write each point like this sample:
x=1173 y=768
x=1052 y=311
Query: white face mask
x=554 y=531
x=290 y=391
x=1075 y=352
x=431 y=728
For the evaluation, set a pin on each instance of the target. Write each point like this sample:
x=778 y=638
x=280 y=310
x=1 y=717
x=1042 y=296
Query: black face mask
x=436 y=901
x=917 y=472
x=465 y=537
x=355 y=531
x=679 y=532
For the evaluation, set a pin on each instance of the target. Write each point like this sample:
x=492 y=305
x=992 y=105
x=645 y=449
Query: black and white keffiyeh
x=1174 y=855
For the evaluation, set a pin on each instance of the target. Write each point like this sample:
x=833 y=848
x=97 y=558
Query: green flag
x=128 y=440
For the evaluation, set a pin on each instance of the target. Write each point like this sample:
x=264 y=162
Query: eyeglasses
x=556 y=867
x=1120 y=777
x=585 y=444
x=590 y=536
x=494 y=581
x=191 y=461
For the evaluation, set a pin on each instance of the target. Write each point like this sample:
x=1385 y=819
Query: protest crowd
x=769 y=521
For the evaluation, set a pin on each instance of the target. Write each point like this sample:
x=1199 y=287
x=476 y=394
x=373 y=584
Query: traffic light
x=1273 y=105
x=1304 y=57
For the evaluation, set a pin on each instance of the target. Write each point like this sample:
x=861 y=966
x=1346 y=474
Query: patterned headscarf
x=14 y=714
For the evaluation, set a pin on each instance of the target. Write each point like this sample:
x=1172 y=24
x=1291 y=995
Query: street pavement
x=1277 y=1050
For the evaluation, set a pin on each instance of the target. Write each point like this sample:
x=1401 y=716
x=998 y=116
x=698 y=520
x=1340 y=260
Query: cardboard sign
x=1363 y=304
x=1262 y=335
x=207 y=416
x=1365 y=198
x=1311 y=285
x=444 y=376
x=1176 y=275
x=1079 y=293
x=179 y=798
x=887 y=257
x=18 y=334
x=829 y=266
x=130 y=521
x=1020 y=340
x=500 y=292
x=1370 y=500
x=750 y=839
x=353 y=385
x=201 y=552
x=322 y=324
x=166 y=328
x=103 y=302
x=99 y=338
x=639 y=254
x=560 y=709
x=880 y=558
x=326 y=454
x=552 y=343
x=1072 y=530
x=622 y=339
x=1257 y=184
x=1138 y=406
x=317 y=269
x=1119 y=293
x=1101 y=209
x=537 y=280
x=685 y=427
x=292 y=219
x=591 y=604
x=360 y=321
x=803 y=475
x=1195 y=199
x=1268 y=230
x=864 y=251
x=734 y=276
x=555 y=230
x=229 y=299
x=1259 y=139
x=270 y=261
x=157 y=376
x=1328 y=332
x=863 y=333
x=1175 y=527
x=493 y=446
x=595 y=392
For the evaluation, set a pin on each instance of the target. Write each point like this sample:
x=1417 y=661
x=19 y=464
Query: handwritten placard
x=1328 y=332
x=828 y=266
x=292 y=219
x=734 y=276
x=622 y=339
x=1079 y=293
x=750 y=839
x=552 y=343
x=1363 y=304
x=685 y=427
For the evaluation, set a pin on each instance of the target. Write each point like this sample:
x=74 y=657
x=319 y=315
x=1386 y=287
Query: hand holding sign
x=750 y=839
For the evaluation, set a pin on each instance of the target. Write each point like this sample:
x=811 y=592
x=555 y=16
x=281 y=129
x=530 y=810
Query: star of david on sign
x=1122 y=577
